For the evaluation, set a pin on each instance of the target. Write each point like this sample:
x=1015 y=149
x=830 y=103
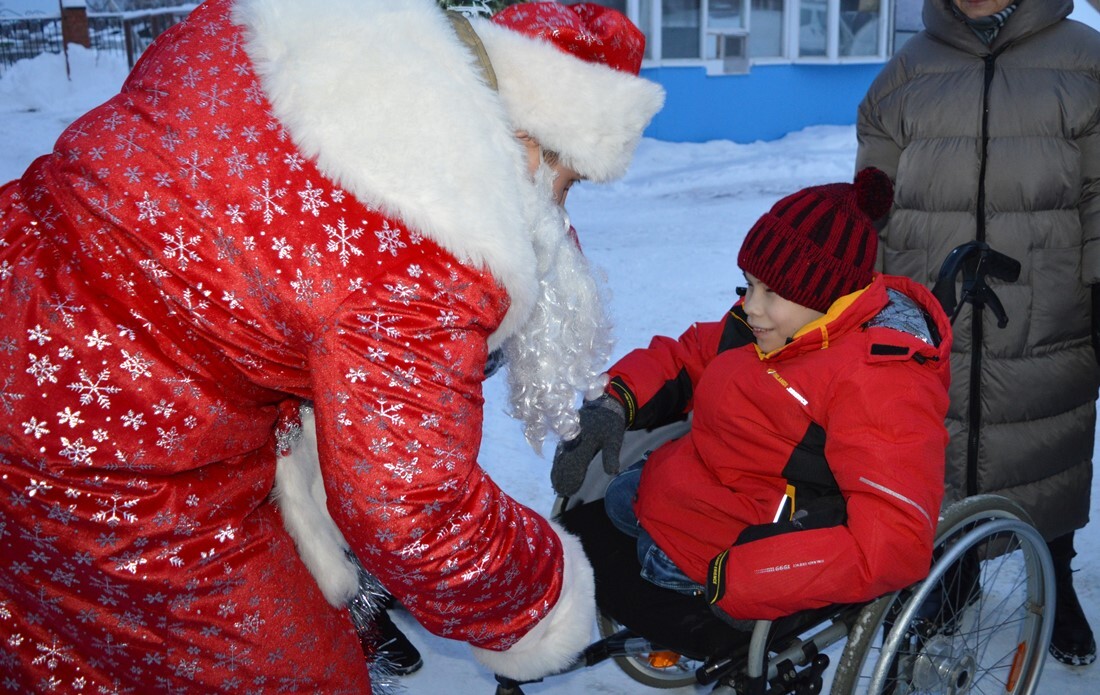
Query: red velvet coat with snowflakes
x=194 y=251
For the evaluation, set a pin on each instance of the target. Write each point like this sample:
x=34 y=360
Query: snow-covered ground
x=666 y=236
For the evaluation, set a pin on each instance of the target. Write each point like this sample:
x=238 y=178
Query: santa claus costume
x=290 y=201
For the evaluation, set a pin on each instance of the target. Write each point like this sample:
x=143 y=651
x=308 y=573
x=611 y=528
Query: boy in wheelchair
x=812 y=474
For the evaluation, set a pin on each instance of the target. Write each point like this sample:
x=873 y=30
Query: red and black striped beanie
x=819 y=244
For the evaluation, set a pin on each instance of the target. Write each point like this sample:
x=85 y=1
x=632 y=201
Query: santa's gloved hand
x=603 y=424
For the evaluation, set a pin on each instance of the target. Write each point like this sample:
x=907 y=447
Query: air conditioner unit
x=733 y=51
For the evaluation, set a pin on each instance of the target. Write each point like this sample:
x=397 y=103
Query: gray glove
x=603 y=424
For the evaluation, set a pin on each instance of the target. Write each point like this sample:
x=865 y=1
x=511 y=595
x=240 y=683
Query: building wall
x=766 y=104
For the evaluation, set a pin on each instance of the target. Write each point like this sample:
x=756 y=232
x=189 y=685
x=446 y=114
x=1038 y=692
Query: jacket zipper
x=975 y=401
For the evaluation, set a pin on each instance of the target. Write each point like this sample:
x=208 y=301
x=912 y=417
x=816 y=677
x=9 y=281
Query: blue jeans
x=657 y=567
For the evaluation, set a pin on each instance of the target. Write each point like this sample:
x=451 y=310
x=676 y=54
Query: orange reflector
x=1017 y=666
x=663 y=659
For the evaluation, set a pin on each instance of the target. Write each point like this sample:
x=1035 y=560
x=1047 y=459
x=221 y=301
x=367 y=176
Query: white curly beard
x=562 y=348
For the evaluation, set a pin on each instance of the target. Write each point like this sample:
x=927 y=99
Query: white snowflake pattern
x=178 y=247
x=281 y=247
x=413 y=550
x=97 y=340
x=8 y=397
x=129 y=562
x=77 y=452
x=69 y=417
x=225 y=534
x=403 y=293
x=404 y=378
x=378 y=325
x=38 y=487
x=390 y=412
x=312 y=200
x=303 y=289
x=194 y=168
x=267 y=200
x=477 y=570
x=234 y=213
x=39 y=335
x=149 y=209
x=133 y=420
x=63 y=309
x=52 y=655
x=311 y=255
x=35 y=427
x=42 y=369
x=237 y=164
x=136 y=365
x=340 y=240
x=115 y=512
x=294 y=161
x=389 y=239
x=213 y=98
x=404 y=470
x=128 y=143
x=447 y=318
x=96 y=390
x=164 y=408
x=250 y=624
x=231 y=299
x=170 y=440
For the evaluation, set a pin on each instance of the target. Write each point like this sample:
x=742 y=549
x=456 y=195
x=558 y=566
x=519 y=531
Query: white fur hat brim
x=590 y=114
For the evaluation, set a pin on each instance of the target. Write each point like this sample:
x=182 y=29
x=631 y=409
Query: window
x=721 y=32
x=860 y=24
x=766 y=34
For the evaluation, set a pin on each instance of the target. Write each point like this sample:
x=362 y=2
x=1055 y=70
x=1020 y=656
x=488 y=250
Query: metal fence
x=27 y=38
x=126 y=34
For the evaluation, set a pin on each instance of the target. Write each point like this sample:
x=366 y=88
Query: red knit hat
x=819 y=244
x=591 y=32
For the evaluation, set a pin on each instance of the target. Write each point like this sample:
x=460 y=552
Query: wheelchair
x=980 y=622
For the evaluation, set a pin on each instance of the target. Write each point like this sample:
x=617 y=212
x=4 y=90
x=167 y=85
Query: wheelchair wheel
x=979 y=623
x=655 y=669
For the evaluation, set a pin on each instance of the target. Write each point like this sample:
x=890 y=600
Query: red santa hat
x=568 y=75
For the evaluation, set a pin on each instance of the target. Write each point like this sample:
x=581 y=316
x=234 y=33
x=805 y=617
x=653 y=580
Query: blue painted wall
x=766 y=104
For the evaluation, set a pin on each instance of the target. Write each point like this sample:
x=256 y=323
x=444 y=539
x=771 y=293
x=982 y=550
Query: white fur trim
x=590 y=114
x=558 y=639
x=389 y=103
x=300 y=493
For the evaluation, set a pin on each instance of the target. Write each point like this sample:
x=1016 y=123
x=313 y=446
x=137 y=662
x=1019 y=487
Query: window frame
x=789 y=41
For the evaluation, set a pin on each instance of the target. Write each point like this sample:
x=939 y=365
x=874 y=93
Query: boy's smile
x=773 y=320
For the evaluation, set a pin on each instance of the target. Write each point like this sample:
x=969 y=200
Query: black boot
x=401 y=657
x=1072 y=641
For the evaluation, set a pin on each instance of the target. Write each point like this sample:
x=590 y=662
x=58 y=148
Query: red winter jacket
x=850 y=406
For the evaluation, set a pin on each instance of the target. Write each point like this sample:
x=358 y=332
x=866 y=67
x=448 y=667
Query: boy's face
x=773 y=320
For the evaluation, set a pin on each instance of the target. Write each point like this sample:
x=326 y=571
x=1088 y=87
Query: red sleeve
x=888 y=462
x=656 y=384
x=398 y=403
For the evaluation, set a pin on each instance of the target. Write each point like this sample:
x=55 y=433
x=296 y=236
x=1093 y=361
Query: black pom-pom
x=874 y=192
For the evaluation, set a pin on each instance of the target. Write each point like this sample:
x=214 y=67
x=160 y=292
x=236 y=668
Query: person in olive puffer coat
x=989 y=123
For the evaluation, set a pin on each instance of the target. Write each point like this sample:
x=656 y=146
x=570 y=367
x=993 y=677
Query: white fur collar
x=390 y=104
